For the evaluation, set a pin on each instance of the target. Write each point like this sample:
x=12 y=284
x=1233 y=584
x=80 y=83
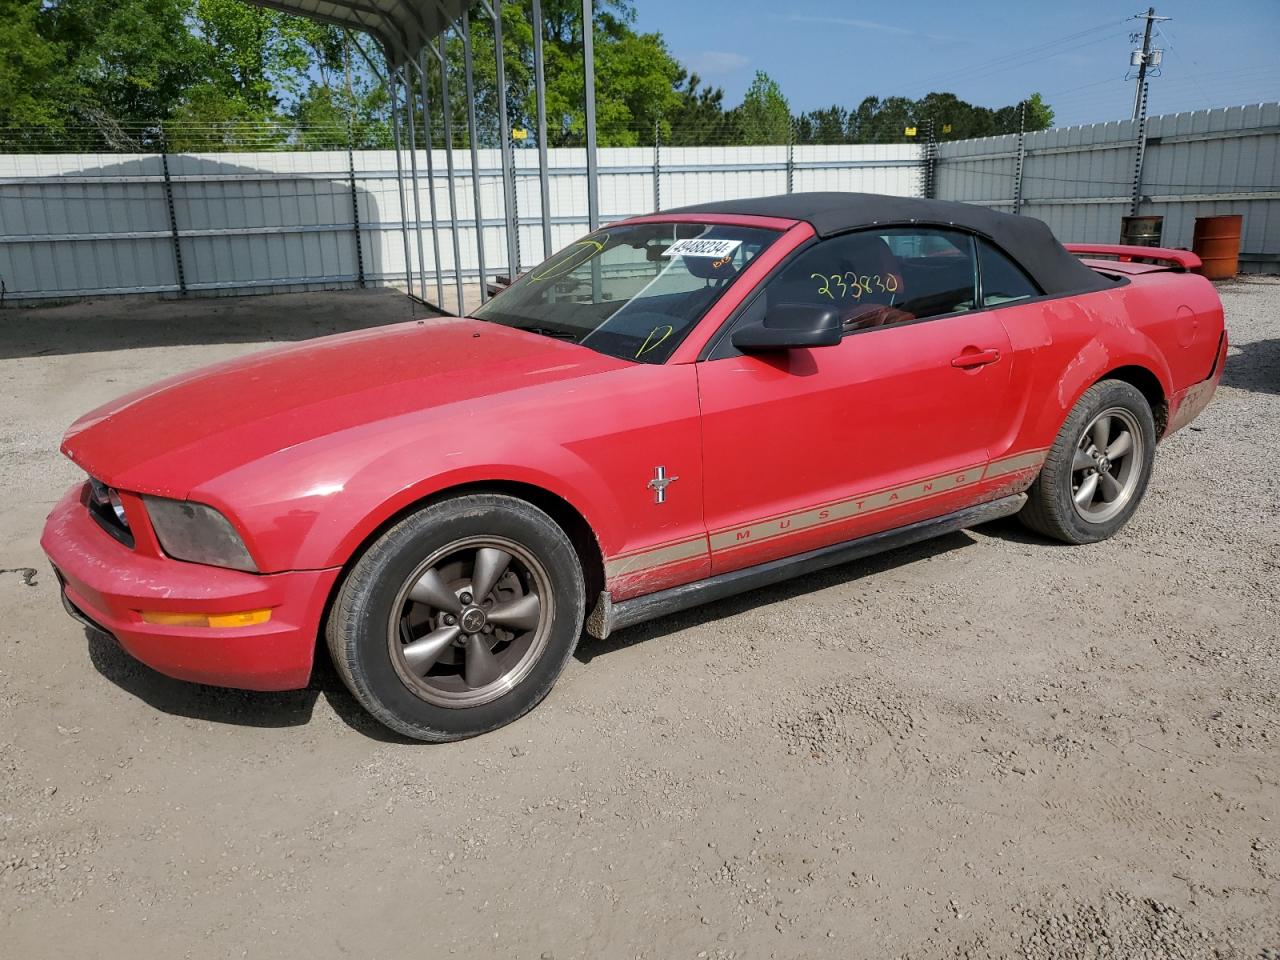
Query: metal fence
x=230 y=223
x=1082 y=180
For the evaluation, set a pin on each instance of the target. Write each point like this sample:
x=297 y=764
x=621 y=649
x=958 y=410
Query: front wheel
x=459 y=618
x=1097 y=470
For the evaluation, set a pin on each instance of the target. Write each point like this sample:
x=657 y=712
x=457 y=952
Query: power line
x=1017 y=58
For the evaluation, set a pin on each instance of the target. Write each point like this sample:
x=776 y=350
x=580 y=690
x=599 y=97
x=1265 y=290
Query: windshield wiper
x=549 y=332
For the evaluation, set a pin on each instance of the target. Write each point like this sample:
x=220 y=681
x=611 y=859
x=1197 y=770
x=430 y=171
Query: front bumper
x=107 y=585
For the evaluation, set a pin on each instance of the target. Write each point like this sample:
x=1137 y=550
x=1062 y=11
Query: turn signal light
x=247 y=618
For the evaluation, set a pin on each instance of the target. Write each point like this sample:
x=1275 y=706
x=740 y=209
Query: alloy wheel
x=471 y=621
x=1106 y=469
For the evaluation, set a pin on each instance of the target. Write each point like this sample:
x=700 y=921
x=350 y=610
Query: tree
x=764 y=117
x=885 y=121
x=29 y=74
x=115 y=68
x=829 y=125
x=1039 y=114
x=223 y=74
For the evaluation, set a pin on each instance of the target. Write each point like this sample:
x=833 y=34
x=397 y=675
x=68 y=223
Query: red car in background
x=672 y=409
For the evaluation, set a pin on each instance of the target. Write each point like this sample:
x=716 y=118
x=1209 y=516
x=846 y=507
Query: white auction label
x=700 y=247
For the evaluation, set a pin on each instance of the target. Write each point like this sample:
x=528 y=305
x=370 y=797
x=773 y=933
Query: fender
x=318 y=520
x=309 y=506
x=1093 y=337
x=583 y=500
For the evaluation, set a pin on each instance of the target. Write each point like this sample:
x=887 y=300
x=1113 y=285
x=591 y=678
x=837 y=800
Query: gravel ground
x=983 y=746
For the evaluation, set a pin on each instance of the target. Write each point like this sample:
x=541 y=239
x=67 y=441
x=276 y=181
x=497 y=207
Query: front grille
x=104 y=514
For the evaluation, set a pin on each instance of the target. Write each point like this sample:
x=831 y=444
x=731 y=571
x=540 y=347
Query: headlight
x=106 y=498
x=198 y=533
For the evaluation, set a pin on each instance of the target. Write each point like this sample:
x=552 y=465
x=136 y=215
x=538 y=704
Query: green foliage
x=699 y=119
x=764 y=115
x=1039 y=113
x=885 y=121
x=30 y=63
x=636 y=76
x=227 y=75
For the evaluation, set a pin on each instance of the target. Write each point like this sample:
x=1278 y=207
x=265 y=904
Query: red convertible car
x=675 y=408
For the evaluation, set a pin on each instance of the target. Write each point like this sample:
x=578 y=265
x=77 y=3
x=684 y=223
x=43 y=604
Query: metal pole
x=421 y=65
x=931 y=162
x=791 y=157
x=657 y=167
x=392 y=89
x=540 y=86
x=1140 y=91
x=1022 y=157
x=173 y=217
x=355 y=205
x=589 y=87
x=504 y=138
x=351 y=162
x=1139 y=154
x=475 y=153
x=417 y=190
x=448 y=159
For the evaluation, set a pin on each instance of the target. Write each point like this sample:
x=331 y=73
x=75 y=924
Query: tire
x=409 y=640
x=1111 y=408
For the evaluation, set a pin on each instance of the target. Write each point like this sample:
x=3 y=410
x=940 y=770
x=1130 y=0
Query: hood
x=173 y=436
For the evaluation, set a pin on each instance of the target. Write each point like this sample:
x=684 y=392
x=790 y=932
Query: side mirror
x=788 y=326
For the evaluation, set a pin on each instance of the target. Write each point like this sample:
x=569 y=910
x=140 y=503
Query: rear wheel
x=459 y=618
x=1097 y=470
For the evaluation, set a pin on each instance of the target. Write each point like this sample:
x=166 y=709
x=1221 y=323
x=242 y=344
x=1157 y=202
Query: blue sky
x=990 y=52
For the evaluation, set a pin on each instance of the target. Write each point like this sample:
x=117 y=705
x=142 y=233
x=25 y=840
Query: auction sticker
x=699 y=247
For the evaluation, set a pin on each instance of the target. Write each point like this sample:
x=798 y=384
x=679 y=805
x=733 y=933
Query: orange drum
x=1217 y=243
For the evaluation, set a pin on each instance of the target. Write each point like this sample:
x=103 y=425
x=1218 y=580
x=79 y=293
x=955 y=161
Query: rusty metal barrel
x=1141 y=231
x=1216 y=242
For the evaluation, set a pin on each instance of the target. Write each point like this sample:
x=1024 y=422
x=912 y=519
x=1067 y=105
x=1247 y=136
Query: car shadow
x=591 y=648
x=196 y=701
x=1253 y=366
x=129 y=324
x=244 y=708
x=290 y=708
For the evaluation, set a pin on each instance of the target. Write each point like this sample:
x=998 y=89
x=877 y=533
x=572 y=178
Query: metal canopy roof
x=403 y=27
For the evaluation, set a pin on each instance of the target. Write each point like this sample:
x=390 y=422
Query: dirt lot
x=983 y=746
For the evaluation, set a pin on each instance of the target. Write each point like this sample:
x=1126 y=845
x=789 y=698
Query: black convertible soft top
x=1027 y=240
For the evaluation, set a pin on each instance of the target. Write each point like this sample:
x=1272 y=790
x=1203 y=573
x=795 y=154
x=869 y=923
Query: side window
x=879 y=278
x=1003 y=281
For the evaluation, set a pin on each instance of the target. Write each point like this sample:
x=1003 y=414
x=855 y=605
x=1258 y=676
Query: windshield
x=633 y=292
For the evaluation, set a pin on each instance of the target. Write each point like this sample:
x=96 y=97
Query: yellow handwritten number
x=823 y=288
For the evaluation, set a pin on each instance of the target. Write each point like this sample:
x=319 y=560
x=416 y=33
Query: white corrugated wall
x=81 y=225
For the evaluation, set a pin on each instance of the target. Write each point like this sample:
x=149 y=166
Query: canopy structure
x=401 y=27
x=410 y=34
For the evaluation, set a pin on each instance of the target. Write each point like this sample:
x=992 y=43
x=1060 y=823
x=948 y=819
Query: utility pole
x=1144 y=57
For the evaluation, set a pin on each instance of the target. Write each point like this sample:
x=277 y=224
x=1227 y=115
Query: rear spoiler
x=1177 y=259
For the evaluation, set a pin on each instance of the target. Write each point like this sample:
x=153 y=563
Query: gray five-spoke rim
x=1107 y=466
x=470 y=622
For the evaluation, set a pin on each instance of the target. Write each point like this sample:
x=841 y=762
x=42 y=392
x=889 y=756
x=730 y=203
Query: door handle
x=976 y=358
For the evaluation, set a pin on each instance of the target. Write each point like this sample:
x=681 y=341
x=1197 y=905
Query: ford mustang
x=674 y=408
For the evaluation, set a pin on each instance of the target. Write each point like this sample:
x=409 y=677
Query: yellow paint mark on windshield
x=650 y=343
x=570 y=258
